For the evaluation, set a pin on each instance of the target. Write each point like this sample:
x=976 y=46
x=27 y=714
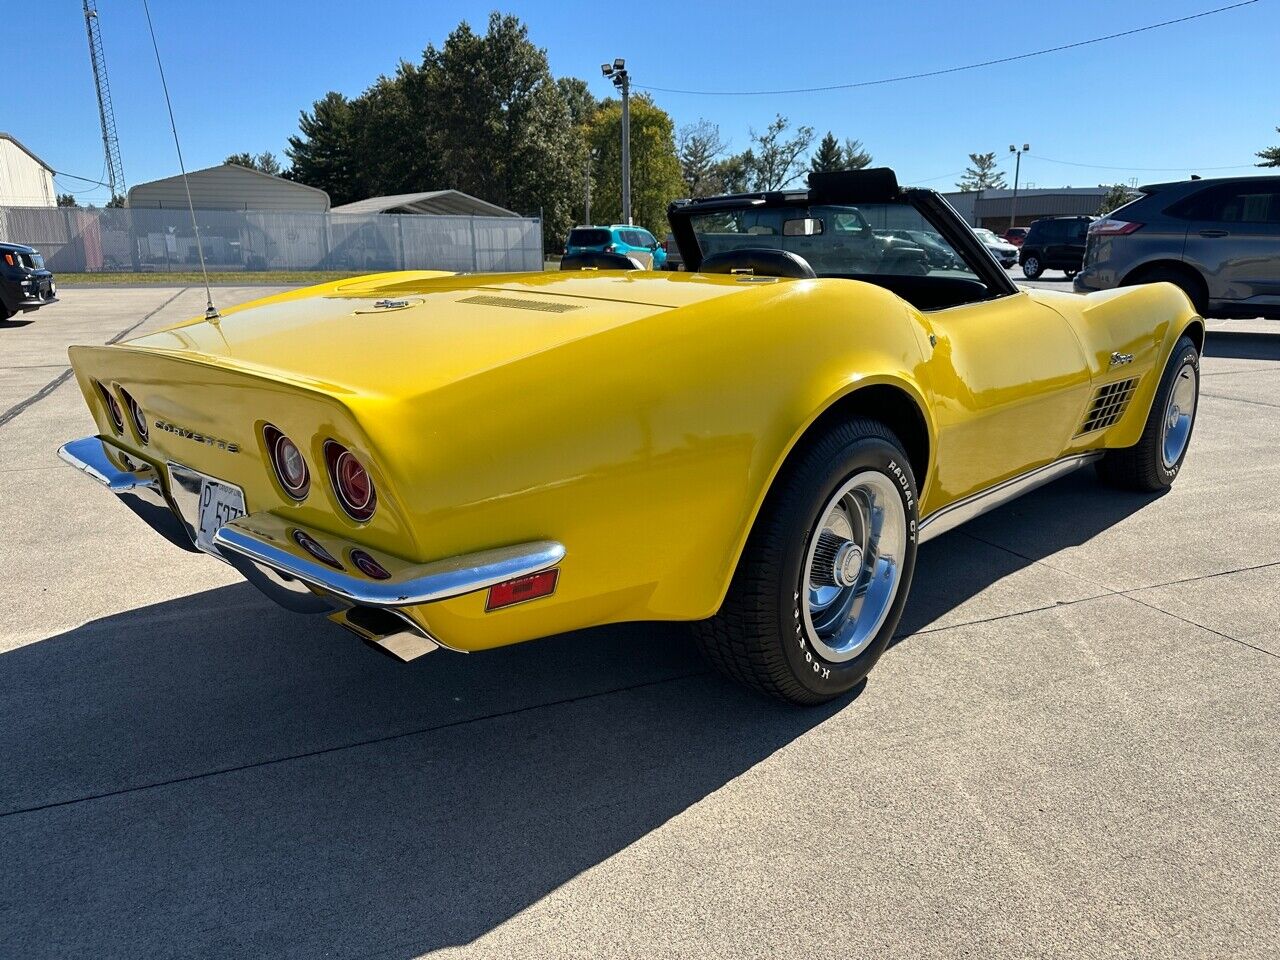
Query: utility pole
x=1017 y=168
x=106 y=114
x=592 y=154
x=617 y=71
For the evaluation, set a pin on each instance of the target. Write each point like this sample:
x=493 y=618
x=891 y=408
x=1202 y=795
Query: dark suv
x=1054 y=243
x=25 y=284
x=1219 y=240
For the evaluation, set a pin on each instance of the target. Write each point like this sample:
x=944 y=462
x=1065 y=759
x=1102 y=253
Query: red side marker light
x=532 y=587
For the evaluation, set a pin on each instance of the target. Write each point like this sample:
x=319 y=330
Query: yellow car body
x=638 y=419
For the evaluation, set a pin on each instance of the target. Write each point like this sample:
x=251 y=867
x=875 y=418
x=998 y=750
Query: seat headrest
x=598 y=260
x=761 y=261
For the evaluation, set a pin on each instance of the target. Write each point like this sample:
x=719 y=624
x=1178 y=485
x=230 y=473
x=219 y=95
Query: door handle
x=1213 y=233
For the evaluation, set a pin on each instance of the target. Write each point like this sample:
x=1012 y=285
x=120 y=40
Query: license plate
x=220 y=503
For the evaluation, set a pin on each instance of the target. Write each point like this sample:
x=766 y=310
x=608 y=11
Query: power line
x=938 y=73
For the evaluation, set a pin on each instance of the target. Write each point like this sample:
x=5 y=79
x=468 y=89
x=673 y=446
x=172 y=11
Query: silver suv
x=1219 y=240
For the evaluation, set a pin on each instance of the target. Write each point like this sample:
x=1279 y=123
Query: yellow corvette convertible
x=757 y=445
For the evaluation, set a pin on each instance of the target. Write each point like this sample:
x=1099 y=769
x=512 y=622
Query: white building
x=228 y=186
x=25 y=179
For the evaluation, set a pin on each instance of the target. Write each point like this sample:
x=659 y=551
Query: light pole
x=592 y=154
x=617 y=71
x=1017 y=168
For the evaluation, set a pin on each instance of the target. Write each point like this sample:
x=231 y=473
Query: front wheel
x=1071 y=274
x=1152 y=464
x=1032 y=267
x=823 y=579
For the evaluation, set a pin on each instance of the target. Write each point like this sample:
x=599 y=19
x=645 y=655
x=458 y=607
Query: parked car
x=619 y=238
x=674 y=260
x=1054 y=243
x=757 y=446
x=1014 y=235
x=1006 y=254
x=1218 y=240
x=25 y=284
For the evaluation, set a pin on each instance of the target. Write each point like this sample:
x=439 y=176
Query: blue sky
x=1191 y=96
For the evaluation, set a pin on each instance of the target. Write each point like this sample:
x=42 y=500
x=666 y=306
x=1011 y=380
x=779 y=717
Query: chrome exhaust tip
x=386 y=632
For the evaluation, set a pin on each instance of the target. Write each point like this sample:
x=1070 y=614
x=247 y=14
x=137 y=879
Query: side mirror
x=802 y=227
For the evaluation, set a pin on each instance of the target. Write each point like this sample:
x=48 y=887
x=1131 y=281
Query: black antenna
x=211 y=312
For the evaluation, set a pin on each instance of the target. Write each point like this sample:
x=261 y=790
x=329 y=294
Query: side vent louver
x=1109 y=404
x=516 y=303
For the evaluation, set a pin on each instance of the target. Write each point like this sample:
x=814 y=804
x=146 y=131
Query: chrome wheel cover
x=1031 y=266
x=1179 y=415
x=853 y=566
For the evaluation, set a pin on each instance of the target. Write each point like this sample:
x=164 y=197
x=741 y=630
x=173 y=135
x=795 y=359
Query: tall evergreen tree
x=855 y=156
x=698 y=148
x=982 y=174
x=828 y=157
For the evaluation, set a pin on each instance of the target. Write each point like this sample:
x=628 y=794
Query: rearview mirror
x=802 y=227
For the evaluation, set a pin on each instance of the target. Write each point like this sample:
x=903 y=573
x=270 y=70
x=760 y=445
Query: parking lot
x=1071 y=750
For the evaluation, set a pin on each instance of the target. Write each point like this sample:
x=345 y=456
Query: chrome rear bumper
x=267 y=550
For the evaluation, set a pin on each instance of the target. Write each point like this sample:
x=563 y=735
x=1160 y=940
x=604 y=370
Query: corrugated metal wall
x=75 y=240
x=228 y=187
x=23 y=180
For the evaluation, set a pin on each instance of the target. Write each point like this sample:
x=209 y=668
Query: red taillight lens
x=113 y=407
x=351 y=482
x=137 y=416
x=523 y=588
x=1113 y=228
x=310 y=544
x=663 y=245
x=289 y=464
x=370 y=567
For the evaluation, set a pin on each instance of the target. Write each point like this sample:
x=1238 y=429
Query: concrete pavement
x=1069 y=752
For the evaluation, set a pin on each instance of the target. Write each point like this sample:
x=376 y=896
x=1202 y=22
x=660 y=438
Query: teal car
x=635 y=242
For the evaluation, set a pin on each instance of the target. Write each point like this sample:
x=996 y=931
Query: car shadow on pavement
x=1243 y=344
x=965 y=562
x=212 y=776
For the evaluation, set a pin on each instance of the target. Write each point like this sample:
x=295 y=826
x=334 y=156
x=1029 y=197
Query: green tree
x=828 y=157
x=982 y=173
x=264 y=162
x=325 y=154
x=1118 y=194
x=116 y=202
x=579 y=99
x=775 y=159
x=1270 y=156
x=698 y=148
x=655 y=169
x=855 y=155
x=67 y=200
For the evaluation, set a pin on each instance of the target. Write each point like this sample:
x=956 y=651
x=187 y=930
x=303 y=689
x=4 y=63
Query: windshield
x=837 y=241
x=986 y=236
x=589 y=238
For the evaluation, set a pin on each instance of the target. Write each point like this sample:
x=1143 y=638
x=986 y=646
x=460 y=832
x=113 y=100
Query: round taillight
x=351 y=481
x=137 y=416
x=370 y=567
x=310 y=544
x=290 y=465
x=113 y=407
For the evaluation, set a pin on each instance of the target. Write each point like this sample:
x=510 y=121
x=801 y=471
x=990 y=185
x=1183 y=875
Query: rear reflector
x=524 y=588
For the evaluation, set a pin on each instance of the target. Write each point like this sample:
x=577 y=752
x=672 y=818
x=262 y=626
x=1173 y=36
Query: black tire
x=1188 y=283
x=1071 y=274
x=1032 y=266
x=759 y=637
x=1142 y=466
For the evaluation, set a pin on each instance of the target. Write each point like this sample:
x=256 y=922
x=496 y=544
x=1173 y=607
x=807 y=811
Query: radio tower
x=110 y=141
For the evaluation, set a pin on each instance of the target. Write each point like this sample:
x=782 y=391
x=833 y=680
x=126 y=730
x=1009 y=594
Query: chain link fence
x=77 y=240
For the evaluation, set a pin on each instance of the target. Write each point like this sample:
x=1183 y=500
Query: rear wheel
x=825 y=573
x=1032 y=267
x=1152 y=464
